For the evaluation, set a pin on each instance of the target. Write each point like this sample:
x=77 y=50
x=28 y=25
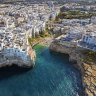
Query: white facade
x=89 y=39
x=76 y=32
x=93 y=20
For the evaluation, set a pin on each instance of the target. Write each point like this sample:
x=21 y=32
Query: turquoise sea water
x=53 y=75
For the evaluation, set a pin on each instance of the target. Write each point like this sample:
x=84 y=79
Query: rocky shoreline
x=88 y=71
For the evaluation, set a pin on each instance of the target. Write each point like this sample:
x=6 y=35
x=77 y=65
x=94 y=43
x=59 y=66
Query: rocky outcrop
x=12 y=56
x=73 y=52
x=88 y=71
x=89 y=79
x=32 y=54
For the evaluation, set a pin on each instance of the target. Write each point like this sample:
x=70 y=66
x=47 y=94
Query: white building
x=93 y=19
x=76 y=32
x=89 y=38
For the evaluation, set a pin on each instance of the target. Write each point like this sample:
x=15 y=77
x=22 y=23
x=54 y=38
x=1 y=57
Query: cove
x=53 y=75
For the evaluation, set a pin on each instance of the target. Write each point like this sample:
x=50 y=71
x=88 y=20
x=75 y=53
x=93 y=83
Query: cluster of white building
x=79 y=22
x=88 y=39
x=82 y=7
x=18 y=23
x=81 y=36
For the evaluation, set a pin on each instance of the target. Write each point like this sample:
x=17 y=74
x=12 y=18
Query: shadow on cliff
x=9 y=71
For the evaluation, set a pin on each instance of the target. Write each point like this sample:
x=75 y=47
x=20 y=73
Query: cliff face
x=89 y=79
x=73 y=52
x=88 y=71
x=11 y=56
x=32 y=54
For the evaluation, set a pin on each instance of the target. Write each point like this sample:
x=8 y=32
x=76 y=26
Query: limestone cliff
x=73 y=52
x=89 y=79
x=88 y=71
x=11 y=56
